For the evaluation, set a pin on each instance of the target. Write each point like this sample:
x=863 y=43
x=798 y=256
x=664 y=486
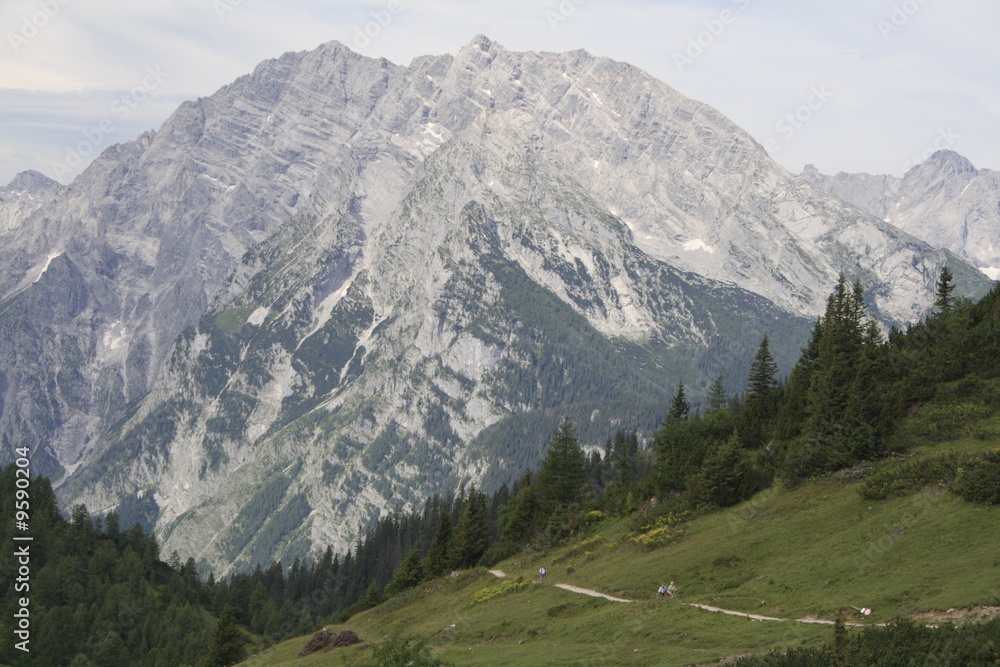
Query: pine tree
x=842 y=402
x=409 y=573
x=718 y=397
x=438 y=559
x=226 y=646
x=472 y=532
x=792 y=408
x=944 y=300
x=522 y=518
x=762 y=383
x=679 y=407
x=563 y=470
x=624 y=452
x=724 y=476
x=757 y=418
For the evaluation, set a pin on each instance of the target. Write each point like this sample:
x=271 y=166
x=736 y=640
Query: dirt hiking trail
x=752 y=617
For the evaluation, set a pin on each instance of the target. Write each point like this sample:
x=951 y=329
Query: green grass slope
x=802 y=553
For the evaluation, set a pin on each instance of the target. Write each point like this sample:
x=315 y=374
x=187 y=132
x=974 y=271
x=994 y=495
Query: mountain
x=944 y=201
x=339 y=285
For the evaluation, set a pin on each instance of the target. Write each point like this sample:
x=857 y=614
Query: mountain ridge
x=944 y=200
x=306 y=285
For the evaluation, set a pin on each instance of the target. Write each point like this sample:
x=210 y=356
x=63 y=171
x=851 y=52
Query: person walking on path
x=542 y=572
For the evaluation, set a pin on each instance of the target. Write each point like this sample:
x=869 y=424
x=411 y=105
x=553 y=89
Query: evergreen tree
x=438 y=559
x=842 y=402
x=758 y=415
x=679 y=406
x=792 y=408
x=623 y=457
x=724 y=478
x=718 y=397
x=472 y=532
x=563 y=470
x=226 y=646
x=762 y=383
x=944 y=300
x=522 y=517
x=409 y=573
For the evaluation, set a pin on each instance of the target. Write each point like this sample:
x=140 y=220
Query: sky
x=854 y=85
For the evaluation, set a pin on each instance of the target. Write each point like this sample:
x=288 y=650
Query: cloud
x=891 y=90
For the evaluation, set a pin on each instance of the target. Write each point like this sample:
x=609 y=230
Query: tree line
x=104 y=596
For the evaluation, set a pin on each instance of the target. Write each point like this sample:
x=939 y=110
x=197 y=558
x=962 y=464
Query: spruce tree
x=718 y=397
x=522 y=517
x=226 y=646
x=758 y=415
x=679 y=406
x=724 y=476
x=472 y=532
x=626 y=448
x=409 y=573
x=438 y=559
x=944 y=300
x=563 y=470
x=842 y=402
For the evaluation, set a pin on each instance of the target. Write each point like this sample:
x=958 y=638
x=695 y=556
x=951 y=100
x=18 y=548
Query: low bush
x=910 y=476
x=979 y=479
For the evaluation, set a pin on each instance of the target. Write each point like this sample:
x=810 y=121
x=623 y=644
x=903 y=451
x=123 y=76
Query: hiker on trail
x=671 y=590
x=662 y=590
x=542 y=571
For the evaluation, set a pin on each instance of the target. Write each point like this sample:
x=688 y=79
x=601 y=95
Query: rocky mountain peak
x=945 y=163
x=33 y=181
x=944 y=201
x=338 y=285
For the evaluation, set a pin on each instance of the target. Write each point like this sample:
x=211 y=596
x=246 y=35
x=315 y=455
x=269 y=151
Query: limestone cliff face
x=944 y=201
x=339 y=285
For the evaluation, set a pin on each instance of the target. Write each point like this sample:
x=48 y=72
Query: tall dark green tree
x=438 y=559
x=227 y=646
x=718 y=397
x=724 y=478
x=624 y=450
x=521 y=519
x=756 y=423
x=472 y=532
x=563 y=471
x=409 y=573
x=679 y=406
x=792 y=409
x=842 y=400
x=944 y=299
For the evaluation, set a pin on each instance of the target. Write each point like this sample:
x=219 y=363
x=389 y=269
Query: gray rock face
x=944 y=201
x=339 y=285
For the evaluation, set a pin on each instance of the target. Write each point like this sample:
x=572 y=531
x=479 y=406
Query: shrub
x=403 y=650
x=979 y=480
x=503 y=588
x=665 y=530
x=909 y=476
